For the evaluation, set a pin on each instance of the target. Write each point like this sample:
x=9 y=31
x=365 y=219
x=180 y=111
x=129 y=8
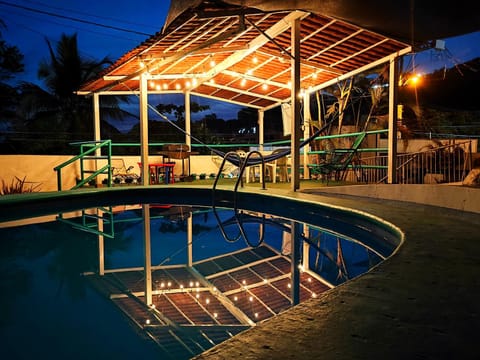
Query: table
x=156 y=169
x=177 y=151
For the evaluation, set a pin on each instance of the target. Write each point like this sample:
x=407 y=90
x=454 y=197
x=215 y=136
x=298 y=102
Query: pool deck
x=421 y=303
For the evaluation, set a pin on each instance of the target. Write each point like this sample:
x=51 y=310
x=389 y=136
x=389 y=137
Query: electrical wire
x=49 y=13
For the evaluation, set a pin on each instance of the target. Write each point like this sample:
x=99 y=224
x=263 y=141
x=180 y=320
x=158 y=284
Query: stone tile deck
x=422 y=303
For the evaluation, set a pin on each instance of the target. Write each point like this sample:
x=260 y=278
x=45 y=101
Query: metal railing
x=88 y=151
x=442 y=164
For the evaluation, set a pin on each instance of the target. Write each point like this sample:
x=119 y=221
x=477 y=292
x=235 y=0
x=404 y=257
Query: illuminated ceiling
x=242 y=56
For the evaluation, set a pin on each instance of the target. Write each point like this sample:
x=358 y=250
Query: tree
x=55 y=116
x=11 y=63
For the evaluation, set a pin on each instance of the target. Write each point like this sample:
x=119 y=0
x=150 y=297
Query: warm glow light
x=314 y=295
x=207 y=301
x=256 y=315
x=215 y=315
x=158 y=87
x=147 y=322
x=197 y=296
x=212 y=63
x=255 y=60
x=187 y=84
x=191 y=284
x=289 y=286
x=177 y=86
x=264 y=86
x=243 y=82
x=244 y=282
x=415 y=79
x=181 y=286
x=162 y=285
x=250 y=298
x=197 y=283
x=169 y=284
x=165 y=86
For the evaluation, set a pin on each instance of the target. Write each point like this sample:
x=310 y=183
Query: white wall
x=38 y=169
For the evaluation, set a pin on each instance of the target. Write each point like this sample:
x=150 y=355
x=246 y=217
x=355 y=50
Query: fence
x=442 y=164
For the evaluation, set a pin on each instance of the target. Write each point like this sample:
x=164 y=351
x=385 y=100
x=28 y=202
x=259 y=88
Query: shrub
x=18 y=186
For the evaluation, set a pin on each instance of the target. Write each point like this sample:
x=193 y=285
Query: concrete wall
x=452 y=196
x=38 y=169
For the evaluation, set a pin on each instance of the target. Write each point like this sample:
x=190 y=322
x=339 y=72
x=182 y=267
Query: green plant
x=18 y=186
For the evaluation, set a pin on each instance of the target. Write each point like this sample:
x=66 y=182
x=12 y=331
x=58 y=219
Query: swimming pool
x=232 y=281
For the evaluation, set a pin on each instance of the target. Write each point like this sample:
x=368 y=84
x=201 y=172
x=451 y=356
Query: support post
x=307 y=118
x=96 y=128
x=188 y=121
x=295 y=99
x=261 y=130
x=392 y=121
x=145 y=173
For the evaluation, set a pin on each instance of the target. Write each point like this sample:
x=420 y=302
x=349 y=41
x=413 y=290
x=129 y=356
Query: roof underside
x=242 y=55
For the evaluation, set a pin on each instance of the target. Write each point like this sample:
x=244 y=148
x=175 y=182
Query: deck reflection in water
x=207 y=287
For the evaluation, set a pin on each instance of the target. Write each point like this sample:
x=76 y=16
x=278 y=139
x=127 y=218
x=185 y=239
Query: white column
x=145 y=174
x=295 y=108
x=96 y=118
x=97 y=136
x=392 y=121
x=188 y=121
x=306 y=131
x=261 y=129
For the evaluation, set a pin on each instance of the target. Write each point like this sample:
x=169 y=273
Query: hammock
x=237 y=161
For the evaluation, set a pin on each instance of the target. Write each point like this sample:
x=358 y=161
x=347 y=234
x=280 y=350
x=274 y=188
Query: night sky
x=111 y=28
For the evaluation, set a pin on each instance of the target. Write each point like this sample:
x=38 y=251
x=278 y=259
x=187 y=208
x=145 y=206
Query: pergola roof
x=242 y=55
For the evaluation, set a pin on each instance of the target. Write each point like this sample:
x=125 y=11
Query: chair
x=278 y=167
x=249 y=172
x=337 y=161
x=121 y=174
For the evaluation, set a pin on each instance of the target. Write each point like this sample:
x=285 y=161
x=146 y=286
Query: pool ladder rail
x=242 y=164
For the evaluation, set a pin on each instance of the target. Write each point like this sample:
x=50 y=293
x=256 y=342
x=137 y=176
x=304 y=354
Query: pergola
x=259 y=54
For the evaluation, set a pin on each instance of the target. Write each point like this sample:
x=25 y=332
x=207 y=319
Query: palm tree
x=56 y=114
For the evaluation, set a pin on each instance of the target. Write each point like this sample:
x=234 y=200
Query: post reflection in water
x=181 y=275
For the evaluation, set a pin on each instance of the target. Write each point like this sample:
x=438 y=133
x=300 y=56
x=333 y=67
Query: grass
x=18 y=186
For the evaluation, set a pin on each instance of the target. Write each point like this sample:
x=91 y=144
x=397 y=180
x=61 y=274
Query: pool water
x=55 y=305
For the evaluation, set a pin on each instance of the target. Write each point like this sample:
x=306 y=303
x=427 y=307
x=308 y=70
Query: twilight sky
x=111 y=28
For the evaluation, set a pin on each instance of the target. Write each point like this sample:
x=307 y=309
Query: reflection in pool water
x=213 y=275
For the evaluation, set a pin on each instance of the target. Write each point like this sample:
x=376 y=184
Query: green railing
x=88 y=152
